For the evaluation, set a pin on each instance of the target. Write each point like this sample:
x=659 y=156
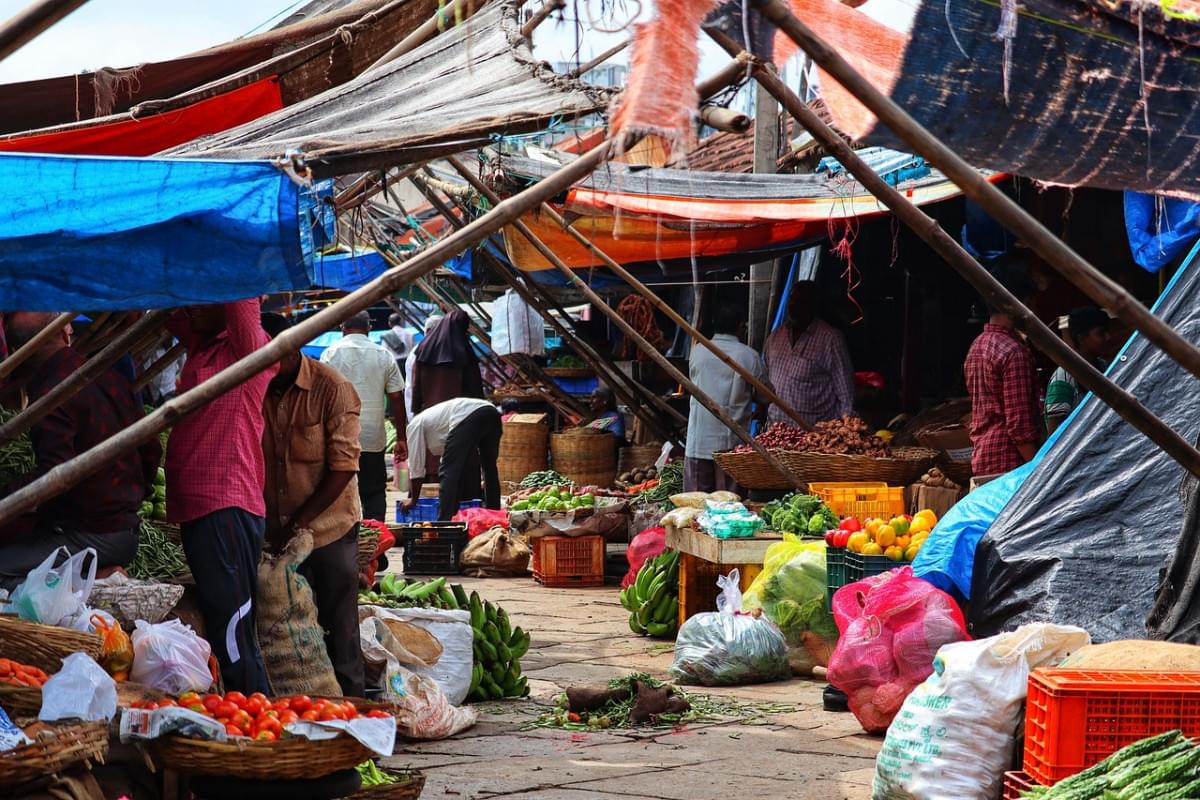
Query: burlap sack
x=291 y=639
x=495 y=554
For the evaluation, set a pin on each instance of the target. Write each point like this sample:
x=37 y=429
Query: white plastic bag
x=57 y=595
x=452 y=671
x=80 y=690
x=953 y=738
x=422 y=710
x=170 y=657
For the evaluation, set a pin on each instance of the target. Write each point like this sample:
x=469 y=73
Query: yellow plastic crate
x=860 y=499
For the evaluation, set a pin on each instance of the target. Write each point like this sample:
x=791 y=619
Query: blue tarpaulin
x=1159 y=228
x=348 y=270
x=134 y=233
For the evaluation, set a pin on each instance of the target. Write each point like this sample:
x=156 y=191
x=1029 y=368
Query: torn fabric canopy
x=120 y=233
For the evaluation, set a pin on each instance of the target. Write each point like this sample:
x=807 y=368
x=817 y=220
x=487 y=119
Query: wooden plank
x=721 y=551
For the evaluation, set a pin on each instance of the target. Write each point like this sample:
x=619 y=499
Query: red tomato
x=266 y=736
x=270 y=712
x=300 y=703
x=255 y=705
x=377 y=713
x=282 y=705
x=187 y=698
x=310 y=715
x=328 y=713
x=165 y=702
x=842 y=538
x=261 y=696
x=269 y=724
x=237 y=698
x=829 y=537
x=351 y=711
x=197 y=707
x=211 y=701
x=242 y=719
x=288 y=717
x=233 y=730
x=225 y=709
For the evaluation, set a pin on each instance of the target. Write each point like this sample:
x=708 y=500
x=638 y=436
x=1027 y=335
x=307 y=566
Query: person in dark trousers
x=215 y=484
x=100 y=511
x=462 y=432
x=377 y=380
x=311 y=449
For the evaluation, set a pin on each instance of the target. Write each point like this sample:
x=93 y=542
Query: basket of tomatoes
x=20 y=688
x=257 y=745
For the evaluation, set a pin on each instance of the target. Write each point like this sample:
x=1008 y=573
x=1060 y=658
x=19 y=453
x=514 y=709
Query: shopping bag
x=57 y=595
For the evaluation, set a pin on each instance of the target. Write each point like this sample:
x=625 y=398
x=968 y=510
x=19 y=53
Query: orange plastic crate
x=1016 y=784
x=1077 y=718
x=568 y=560
x=860 y=499
x=698 y=583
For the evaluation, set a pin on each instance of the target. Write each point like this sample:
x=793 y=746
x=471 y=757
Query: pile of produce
x=155 y=506
x=397 y=592
x=551 y=499
x=371 y=775
x=653 y=598
x=543 y=477
x=15 y=673
x=845 y=436
x=1163 y=767
x=569 y=362
x=935 y=477
x=257 y=716
x=800 y=514
x=899 y=538
x=158 y=557
x=16 y=456
x=632 y=480
x=498 y=650
x=514 y=389
x=670 y=482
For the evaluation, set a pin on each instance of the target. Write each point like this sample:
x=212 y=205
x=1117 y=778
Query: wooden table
x=704 y=557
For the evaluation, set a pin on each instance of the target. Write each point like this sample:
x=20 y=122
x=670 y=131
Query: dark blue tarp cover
x=347 y=270
x=134 y=233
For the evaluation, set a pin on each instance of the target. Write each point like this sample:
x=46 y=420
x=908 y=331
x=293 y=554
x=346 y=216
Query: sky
x=122 y=33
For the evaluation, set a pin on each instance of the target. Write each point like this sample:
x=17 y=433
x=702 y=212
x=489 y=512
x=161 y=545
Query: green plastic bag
x=791 y=592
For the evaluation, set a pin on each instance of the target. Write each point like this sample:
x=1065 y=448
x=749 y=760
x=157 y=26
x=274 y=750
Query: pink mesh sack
x=645 y=546
x=481 y=519
x=891 y=628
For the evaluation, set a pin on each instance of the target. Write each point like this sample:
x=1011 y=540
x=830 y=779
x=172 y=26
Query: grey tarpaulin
x=1084 y=539
x=473 y=80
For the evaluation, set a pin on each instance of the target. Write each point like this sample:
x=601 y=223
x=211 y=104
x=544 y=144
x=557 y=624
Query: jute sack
x=495 y=554
x=291 y=639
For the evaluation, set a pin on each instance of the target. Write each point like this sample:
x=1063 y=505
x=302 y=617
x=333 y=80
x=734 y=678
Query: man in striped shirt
x=1088 y=330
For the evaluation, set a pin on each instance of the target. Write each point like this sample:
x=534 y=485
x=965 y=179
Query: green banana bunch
x=498 y=647
x=396 y=592
x=652 y=600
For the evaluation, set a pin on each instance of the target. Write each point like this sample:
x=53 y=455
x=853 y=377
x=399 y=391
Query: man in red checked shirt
x=1006 y=419
x=215 y=479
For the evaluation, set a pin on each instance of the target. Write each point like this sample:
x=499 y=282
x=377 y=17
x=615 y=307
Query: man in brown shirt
x=311 y=449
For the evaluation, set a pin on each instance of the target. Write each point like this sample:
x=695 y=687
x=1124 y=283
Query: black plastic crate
x=432 y=548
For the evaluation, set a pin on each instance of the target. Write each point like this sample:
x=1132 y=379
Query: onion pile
x=848 y=436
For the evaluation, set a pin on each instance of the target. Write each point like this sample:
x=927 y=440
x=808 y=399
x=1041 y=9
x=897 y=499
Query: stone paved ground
x=580 y=637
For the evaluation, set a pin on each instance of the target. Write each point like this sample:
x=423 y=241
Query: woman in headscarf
x=445 y=367
x=606 y=417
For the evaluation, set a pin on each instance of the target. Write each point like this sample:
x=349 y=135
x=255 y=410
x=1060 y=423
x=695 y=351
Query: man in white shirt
x=705 y=433
x=455 y=430
x=378 y=382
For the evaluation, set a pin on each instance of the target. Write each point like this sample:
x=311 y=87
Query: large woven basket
x=56 y=747
x=523 y=449
x=409 y=786
x=751 y=470
x=290 y=758
x=588 y=459
x=637 y=456
x=20 y=701
x=44 y=646
x=903 y=467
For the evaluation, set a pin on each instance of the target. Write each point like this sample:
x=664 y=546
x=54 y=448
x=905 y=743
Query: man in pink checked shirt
x=215 y=477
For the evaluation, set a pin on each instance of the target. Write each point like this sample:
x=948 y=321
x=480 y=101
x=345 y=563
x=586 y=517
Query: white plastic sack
x=170 y=657
x=57 y=595
x=80 y=690
x=422 y=709
x=452 y=672
x=953 y=738
x=516 y=327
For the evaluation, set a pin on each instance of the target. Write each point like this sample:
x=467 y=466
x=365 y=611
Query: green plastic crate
x=837 y=572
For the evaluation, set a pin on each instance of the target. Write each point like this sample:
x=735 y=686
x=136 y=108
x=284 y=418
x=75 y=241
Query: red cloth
x=1002 y=381
x=108 y=500
x=215 y=456
x=143 y=137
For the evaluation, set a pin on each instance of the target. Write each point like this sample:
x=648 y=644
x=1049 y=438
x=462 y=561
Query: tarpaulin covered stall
x=1083 y=539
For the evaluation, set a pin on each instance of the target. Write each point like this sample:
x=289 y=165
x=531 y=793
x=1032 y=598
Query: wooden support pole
x=455 y=9
x=90 y=332
x=162 y=362
x=725 y=119
x=29 y=22
x=1104 y=291
x=73 y=383
x=70 y=473
x=539 y=16
x=760 y=387
x=116 y=324
x=1121 y=401
x=588 y=66
x=655 y=356
x=22 y=353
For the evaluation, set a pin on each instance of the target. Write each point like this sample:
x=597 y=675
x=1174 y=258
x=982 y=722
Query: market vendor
x=464 y=431
x=215 y=483
x=1088 y=331
x=808 y=362
x=605 y=416
x=101 y=510
x=705 y=433
x=311 y=450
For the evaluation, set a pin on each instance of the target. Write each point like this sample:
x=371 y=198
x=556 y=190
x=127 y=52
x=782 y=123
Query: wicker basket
x=957 y=471
x=368 y=543
x=44 y=646
x=570 y=372
x=751 y=470
x=20 y=701
x=522 y=450
x=55 y=748
x=409 y=786
x=290 y=758
x=588 y=459
x=903 y=467
x=637 y=456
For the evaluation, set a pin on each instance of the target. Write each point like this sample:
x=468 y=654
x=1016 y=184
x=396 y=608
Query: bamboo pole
x=429 y=29
x=1104 y=291
x=71 y=472
x=92 y=329
x=725 y=119
x=588 y=66
x=539 y=16
x=116 y=324
x=73 y=383
x=594 y=359
x=760 y=387
x=22 y=353
x=24 y=26
x=162 y=362
x=1121 y=401
x=657 y=357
